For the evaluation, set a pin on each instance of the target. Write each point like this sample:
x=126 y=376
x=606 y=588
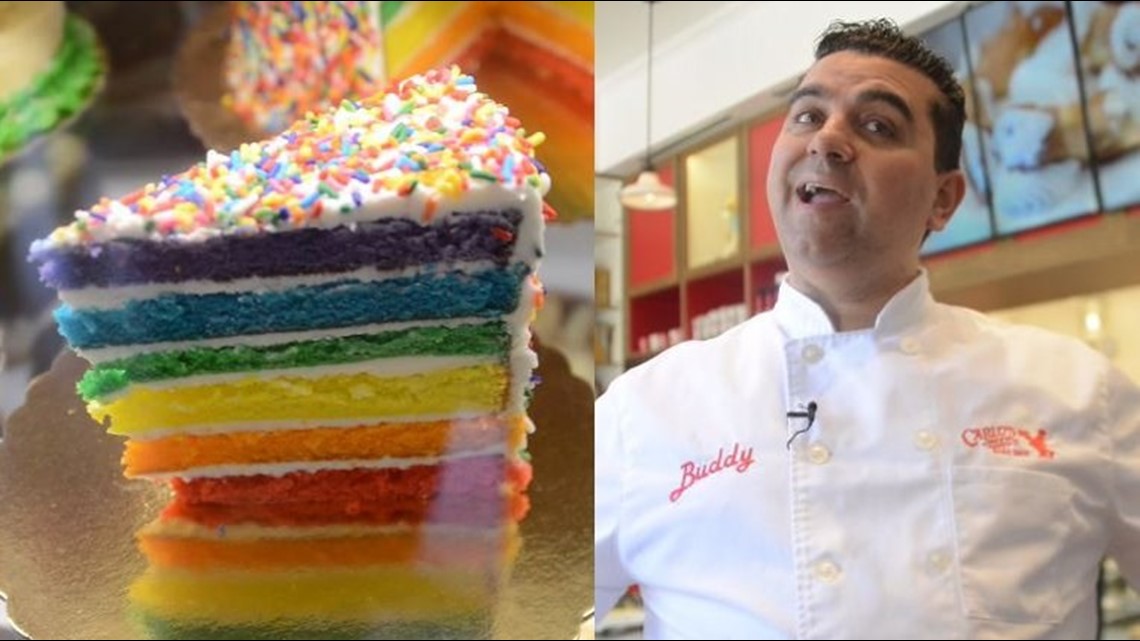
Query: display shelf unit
x=609 y=283
x=714 y=260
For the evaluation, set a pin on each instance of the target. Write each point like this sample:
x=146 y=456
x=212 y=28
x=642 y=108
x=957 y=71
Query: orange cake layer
x=402 y=440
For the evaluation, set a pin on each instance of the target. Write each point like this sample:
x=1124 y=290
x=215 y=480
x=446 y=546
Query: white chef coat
x=962 y=478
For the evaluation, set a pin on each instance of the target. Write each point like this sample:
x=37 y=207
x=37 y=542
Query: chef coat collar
x=800 y=317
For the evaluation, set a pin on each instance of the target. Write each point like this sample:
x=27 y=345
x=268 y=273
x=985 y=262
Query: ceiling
x=620 y=28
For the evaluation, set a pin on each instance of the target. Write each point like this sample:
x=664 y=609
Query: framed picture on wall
x=1109 y=37
x=972 y=222
x=1030 y=114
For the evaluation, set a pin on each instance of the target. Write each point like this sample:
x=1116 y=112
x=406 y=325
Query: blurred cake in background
x=51 y=67
x=284 y=59
x=30 y=35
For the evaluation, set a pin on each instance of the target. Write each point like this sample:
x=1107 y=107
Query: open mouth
x=811 y=192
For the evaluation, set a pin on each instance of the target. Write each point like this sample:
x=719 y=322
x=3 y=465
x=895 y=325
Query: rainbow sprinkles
x=431 y=141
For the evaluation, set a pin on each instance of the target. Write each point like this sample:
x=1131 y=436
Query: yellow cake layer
x=239 y=597
x=564 y=27
x=478 y=389
x=397 y=440
x=418 y=27
x=427 y=34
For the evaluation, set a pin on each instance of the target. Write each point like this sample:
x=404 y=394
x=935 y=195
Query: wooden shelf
x=711 y=183
x=633 y=360
x=652 y=288
x=715 y=269
x=771 y=252
x=1078 y=259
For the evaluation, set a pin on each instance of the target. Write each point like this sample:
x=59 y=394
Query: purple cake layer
x=390 y=243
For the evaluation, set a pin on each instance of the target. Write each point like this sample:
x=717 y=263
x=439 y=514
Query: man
x=863 y=462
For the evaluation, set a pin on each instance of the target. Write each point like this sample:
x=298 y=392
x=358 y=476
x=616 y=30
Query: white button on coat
x=812 y=353
x=827 y=572
x=938 y=562
x=818 y=453
x=925 y=440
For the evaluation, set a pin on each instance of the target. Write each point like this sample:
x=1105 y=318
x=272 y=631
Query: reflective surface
x=69 y=560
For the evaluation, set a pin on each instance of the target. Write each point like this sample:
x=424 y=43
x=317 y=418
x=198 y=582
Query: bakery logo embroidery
x=1007 y=440
x=740 y=459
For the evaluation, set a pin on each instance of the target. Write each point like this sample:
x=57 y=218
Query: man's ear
x=951 y=190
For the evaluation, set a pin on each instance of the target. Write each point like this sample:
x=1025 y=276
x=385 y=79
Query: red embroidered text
x=1007 y=440
x=739 y=459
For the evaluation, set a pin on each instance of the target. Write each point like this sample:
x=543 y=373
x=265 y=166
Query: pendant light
x=648 y=193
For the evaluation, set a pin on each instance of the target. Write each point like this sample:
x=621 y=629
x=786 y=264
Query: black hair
x=884 y=38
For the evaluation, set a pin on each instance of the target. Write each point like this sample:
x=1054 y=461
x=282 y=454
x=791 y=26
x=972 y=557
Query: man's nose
x=832 y=142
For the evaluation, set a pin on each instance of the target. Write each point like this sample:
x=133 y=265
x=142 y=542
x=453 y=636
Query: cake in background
x=51 y=67
x=322 y=342
x=30 y=35
x=286 y=58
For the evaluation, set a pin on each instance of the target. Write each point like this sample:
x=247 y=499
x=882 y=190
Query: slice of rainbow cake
x=323 y=336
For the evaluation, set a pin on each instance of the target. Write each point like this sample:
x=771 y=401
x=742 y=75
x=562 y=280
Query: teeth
x=811 y=190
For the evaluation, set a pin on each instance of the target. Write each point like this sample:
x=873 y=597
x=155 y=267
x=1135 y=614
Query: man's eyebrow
x=868 y=96
x=888 y=97
x=807 y=91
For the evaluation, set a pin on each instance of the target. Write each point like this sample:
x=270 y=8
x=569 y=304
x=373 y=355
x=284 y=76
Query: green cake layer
x=463 y=340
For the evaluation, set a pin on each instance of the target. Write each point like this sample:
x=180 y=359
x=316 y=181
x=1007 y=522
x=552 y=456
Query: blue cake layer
x=179 y=317
x=391 y=243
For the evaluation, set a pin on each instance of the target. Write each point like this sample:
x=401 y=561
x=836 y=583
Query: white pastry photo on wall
x=971 y=222
x=1029 y=107
x=1110 y=66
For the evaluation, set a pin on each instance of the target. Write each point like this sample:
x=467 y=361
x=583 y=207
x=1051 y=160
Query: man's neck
x=852 y=301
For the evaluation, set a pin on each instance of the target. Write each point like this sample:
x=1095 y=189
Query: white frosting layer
x=122 y=223
x=115 y=297
x=281 y=469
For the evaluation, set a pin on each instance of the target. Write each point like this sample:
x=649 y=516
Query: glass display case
x=712 y=205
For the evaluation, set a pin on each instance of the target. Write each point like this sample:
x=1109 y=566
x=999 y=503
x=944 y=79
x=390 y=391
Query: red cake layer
x=472 y=477
x=445 y=511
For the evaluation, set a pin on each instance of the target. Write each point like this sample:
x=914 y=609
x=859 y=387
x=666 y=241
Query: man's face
x=852 y=182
